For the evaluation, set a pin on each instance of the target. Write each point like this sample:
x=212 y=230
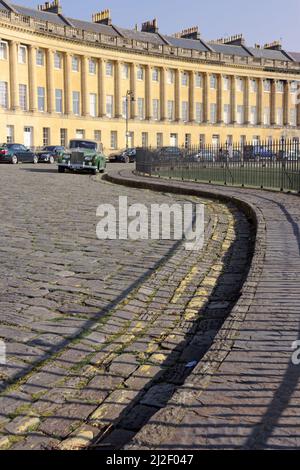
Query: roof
x=153 y=38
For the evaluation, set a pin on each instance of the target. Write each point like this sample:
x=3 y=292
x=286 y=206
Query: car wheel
x=14 y=160
x=61 y=169
x=51 y=160
x=35 y=160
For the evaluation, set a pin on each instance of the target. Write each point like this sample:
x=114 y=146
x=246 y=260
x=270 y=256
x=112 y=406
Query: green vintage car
x=82 y=155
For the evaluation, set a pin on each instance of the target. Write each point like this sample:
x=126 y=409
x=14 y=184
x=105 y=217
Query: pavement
x=100 y=335
x=244 y=393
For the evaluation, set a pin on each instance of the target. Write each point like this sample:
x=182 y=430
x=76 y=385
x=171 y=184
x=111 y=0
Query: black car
x=15 y=153
x=50 y=153
x=170 y=152
x=125 y=156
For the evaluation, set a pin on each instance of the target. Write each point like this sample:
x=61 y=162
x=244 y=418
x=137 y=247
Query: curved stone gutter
x=244 y=394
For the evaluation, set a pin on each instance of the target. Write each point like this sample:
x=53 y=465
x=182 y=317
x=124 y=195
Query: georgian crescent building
x=62 y=78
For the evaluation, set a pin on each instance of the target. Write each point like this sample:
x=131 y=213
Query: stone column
x=287 y=103
x=148 y=94
x=101 y=88
x=247 y=99
x=260 y=101
x=273 y=103
x=32 y=78
x=85 y=105
x=177 y=95
x=117 y=88
x=13 y=61
x=67 y=83
x=163 y=94
x=233 y=99
x=220 y=119
x=206 y=98
x=133 y=107
x=50 y=81
x=192 y=116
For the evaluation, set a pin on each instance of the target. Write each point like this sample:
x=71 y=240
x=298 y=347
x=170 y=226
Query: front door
x=28 y=137
x=174 y=140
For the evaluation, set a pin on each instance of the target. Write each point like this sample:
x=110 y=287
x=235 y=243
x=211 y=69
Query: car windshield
x=49 y=148
x=83 y=144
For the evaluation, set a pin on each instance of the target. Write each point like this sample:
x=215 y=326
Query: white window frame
x=22 y=54
x=171 y=110
x=3 y=94
x=109 y=69
x=155 y=75
x=141 y=108
x=113 y=140
x=213 y=113
x=41 y=96
x=185 y=111
x=75 y=63
x=184 y=79
x=58 y=60
x=170 y=77
x=3 y=50
x=40 y=58
x=226 y=83
x=109 y=106
x=156 y=109
x=92 y=66
x=23 y=96
x=199 y=112
x=59 y=100
x=125 y=71
x=93 y=104
x=140 y=73
x=76 y=103
x=198 y=80
x=213 y=81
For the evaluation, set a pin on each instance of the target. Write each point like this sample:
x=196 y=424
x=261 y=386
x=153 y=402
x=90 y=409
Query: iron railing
x=269 y=165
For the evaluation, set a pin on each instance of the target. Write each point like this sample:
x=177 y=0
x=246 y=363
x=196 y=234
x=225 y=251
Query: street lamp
x=129 y=99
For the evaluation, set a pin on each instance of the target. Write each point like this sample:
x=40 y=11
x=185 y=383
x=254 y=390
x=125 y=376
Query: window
x=280 y=86
x=227 y=113
x=171 y=110
x=144 y=139
x=216 y=140
x=294 y=87
x=171 y=77
x=267 y=116
x=240 y=118
x=213 y=82
x=75 y=63
x=184 y=79
x=155 y=75
x=240 y=84
x=293 y=117
x=199 y=112
x=63 y=137
x=109 y=106
x=125 y=71
x=140 y=73
x=253 y=86
x=97 y=135
x=10 y=134
x=253 y=115
x=109 y=69
x=23 y=97
x=213 y=113
x=141 y=108
x=22 y=54
x=4 y=94
x=93 y=104
x=58 y=101
x=159 y=139
x=226 y=83
x=202 y=140
x=174 y=140
x=198 y=80
x=187 y=140
x=40 y=57
x=76 y=103
x=113 y=140
x=3 y=50
x=243 y=140
x=124 y=106
x=92 y=66
x=156 y=110
x=80 y=134
x=279 y=116
x=41 y=98
x=185 y=111
x=57 y=60
x=267 y=85
x=46 y=136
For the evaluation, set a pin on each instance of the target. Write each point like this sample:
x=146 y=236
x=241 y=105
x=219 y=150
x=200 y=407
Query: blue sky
x=260 y=21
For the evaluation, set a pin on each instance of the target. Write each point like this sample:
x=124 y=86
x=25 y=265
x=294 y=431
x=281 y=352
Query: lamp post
x=129 y=99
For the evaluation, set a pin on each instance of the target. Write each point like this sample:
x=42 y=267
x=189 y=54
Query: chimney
x=189 y=33
x=236 y=40
x=103 y=17
x=275 y=46
x=53 y=7
x=150 y=26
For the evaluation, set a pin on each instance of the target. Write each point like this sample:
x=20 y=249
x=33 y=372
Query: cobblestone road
x=100 y=332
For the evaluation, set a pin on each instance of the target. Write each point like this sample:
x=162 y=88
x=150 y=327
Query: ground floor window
x=97 y=136
x=46 y=136
x=80 y=133
x=113 y=140
x=63 y=137
x=10 y=132
x=187 y=140
x=174 y=140
x=144 y=139
x=159 y=139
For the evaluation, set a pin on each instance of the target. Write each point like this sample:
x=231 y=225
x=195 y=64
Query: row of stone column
x=148 y=90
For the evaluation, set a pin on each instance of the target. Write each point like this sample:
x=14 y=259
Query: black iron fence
x=270 y=165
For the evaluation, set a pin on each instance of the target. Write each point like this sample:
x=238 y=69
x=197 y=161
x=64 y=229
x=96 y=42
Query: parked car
x=230 y=156
x=204 y=156
x=50 y=154
x=125 y=156
x=15 y=153
x=264 y=154
x=170 y=152
x=289 y=156
x=83 y=155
